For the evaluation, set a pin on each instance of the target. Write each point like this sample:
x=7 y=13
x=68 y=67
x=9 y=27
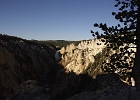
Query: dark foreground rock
x=31 y=90
x=109 y=87
x=93 y=96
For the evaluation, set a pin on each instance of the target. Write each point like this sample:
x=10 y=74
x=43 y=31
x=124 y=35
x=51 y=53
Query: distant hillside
x=55 y=43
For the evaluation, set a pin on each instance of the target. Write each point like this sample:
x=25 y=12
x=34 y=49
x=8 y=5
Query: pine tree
x=118 y=35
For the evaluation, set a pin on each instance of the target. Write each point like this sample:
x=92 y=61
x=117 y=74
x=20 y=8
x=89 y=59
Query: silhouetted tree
x=119 y=37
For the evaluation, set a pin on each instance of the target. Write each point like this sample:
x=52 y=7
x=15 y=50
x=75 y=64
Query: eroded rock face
x=21 y=60
x=80 y=59
x=77 y=58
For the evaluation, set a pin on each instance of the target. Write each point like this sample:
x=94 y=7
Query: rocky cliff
x=94 y=57
x=77 y=58
x=22 y=60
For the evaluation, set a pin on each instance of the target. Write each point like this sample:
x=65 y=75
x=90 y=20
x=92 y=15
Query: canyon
x=29 y=71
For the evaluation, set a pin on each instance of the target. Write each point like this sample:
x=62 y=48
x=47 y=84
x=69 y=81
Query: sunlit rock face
x=77 y=58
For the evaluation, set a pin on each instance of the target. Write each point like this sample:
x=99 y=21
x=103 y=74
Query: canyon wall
x=77 y=58
x=22 y=60
x=91 y=56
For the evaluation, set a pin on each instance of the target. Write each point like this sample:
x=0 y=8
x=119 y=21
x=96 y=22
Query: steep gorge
x=29 y=71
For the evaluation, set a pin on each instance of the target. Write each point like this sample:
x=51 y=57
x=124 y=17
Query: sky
x=54 y=19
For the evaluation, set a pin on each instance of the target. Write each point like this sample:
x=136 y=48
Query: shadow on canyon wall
x=66 y=84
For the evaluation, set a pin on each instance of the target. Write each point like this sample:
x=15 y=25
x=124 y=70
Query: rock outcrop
x=93 y=96
x=90 y=57
x=77 y=58
x=109 y=87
